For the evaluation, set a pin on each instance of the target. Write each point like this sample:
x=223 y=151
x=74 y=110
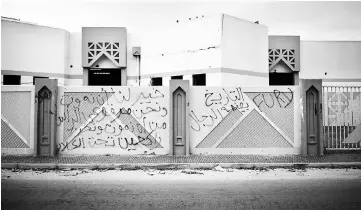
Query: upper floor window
x=11 y=79
x=177 y=77
x=157 y=81
x=199 y=80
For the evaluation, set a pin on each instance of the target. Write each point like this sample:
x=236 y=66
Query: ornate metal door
x=44 y=122
x=179 y=122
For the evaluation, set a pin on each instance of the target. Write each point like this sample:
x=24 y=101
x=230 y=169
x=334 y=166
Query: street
x=187 y=189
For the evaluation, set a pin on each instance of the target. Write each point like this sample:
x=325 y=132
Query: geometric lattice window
x=110 y=49
x=287 y=55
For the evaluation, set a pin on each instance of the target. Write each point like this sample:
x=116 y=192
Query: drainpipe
x=136 y=54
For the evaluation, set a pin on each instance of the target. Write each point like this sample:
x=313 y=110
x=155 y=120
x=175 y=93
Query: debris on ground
x=86 y=171
x=5 y=177
x=71 y=174
x=152 y=172
x=16 y=170
x=219 y=168
x=74 y=172
x=296 y=170
x=191 y=172
x=263 y=169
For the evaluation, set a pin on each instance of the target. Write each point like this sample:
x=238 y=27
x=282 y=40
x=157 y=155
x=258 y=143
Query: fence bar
x=323 y=115
x=339 y=111
x=332 y=128
x=343 y=116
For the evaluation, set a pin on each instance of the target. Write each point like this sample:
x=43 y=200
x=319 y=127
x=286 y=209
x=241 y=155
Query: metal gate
x=342 y=117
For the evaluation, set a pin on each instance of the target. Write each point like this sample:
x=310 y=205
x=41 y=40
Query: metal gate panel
x=341 y=117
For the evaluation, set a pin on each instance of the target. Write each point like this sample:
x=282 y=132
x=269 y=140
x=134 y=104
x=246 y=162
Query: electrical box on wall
x=136 y=51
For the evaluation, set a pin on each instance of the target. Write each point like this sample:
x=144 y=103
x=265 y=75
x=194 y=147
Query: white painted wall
x=27 y=80
x=244 y=45
x=72 y=82
x=231 y=80
x=33 y=48
x=136 y=99
x=208 y=107
x=188 y=45
x=213 y=79
x=341 y=60
x=75 y=54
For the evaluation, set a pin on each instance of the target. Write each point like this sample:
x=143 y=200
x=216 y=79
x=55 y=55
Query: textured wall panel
x=254 y=132
x=9 y=139
x=281 y=114
x=79 y=106
x=220 y=129
x=140 y=131
x=15 y=107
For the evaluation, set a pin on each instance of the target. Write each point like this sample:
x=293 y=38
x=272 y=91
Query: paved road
x=175 y=190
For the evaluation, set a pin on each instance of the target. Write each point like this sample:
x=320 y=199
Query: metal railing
x=341 y=117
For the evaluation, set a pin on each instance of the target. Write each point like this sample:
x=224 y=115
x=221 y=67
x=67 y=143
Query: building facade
x=212 y=51
x=88 y=92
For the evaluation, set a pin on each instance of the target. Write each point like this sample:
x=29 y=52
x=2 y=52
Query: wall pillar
x=45 y=121
x=311 y=117
x=174 y=87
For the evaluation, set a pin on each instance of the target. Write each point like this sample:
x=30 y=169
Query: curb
x=174 y=166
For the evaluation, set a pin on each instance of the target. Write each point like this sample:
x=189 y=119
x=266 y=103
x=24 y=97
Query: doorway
x=312 y=107
x=105 y=77
x=281 y=78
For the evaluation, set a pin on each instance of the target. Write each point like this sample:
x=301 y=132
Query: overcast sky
x=310 y=20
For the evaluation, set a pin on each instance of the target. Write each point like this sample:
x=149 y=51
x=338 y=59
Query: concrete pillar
x=46 y=91
x=175 y=87
x=311 y=116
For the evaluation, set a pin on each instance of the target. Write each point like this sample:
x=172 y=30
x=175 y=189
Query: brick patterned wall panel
x=9 y=139
x=15 y=107
x=220 y=129
x=76 y=113
x=281 y=112
x=254 y=132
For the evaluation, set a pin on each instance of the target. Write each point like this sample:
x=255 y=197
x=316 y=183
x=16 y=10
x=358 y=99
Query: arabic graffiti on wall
x=128 y=118
x=220 y=110
x=218 y=102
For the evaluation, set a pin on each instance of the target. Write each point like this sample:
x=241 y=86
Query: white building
x=214 y=51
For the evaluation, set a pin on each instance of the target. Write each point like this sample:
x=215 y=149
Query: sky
x=336 y=21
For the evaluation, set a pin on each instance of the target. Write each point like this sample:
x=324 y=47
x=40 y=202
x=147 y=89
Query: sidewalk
x=172 y=162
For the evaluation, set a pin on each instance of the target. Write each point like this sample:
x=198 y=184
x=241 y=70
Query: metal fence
x=341 y=117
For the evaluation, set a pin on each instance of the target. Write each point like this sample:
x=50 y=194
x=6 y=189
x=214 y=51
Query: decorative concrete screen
x=17 y=119
x=244 y=120
x=113 y=120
